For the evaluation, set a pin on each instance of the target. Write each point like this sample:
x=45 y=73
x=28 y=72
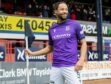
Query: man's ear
x=55 y=12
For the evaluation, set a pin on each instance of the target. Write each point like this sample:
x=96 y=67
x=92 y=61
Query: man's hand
x=28 y=52
x=79 y=65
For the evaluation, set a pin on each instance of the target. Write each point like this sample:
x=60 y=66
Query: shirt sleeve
x=50 y=39
x=79 y=32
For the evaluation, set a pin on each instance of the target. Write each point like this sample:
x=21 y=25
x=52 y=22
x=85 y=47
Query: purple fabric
x=64 y=38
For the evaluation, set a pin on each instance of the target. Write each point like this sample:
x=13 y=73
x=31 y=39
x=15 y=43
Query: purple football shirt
x=64 y=38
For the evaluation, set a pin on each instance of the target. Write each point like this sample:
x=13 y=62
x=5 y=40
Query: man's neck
x=59 y=21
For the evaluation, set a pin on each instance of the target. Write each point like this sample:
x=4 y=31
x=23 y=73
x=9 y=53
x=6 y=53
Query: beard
x=62 y=16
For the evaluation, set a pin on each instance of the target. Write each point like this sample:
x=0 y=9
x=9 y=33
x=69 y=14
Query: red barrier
x=10 y=45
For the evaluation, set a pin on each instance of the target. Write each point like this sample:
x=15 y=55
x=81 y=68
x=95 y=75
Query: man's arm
x=83 y=52
x=43 y=51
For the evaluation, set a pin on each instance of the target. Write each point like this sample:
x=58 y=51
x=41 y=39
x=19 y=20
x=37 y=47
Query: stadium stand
x=78 y=9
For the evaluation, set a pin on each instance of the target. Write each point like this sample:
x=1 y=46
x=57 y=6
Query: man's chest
x=62 y=32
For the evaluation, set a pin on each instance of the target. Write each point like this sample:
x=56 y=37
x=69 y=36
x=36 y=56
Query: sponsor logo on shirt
x=61 y=36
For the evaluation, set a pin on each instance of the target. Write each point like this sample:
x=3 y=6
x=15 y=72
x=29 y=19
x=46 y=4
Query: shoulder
x=53 y=26
x=74 y=22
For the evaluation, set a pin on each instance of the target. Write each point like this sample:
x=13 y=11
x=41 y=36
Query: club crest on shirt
x=67 y=28
x=54 y=30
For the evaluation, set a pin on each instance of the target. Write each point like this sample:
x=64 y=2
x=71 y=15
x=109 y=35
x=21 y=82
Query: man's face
x=62 y=11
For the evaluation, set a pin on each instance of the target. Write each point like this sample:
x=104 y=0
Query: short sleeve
x=79 y=32
x=50 y=39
